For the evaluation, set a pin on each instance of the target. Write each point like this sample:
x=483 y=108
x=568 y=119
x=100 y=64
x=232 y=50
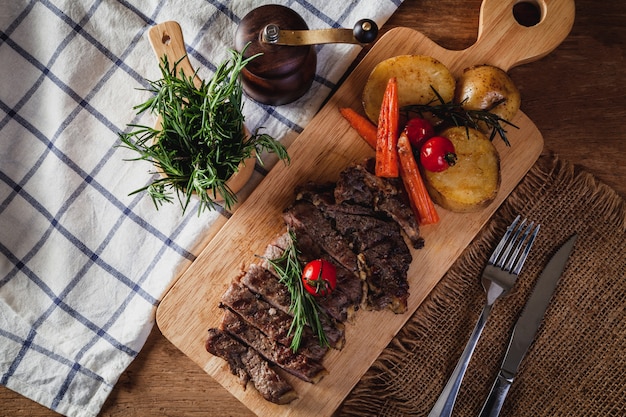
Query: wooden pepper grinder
x=285 y=70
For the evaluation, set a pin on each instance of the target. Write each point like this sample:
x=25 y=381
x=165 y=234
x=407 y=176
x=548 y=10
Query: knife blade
x=526 y=328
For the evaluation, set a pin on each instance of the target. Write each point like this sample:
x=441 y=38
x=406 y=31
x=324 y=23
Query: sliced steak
x=303 y=216
x=373 y=236
x=274 y=322
x=341 y=303
x=265 y=284
x=248 y=365
x=359 y=185
x=349 y=284
x=297 y=364
x=384 y=251
x=270 y=320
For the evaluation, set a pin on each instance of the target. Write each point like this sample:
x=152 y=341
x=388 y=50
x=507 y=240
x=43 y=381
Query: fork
x=498 y=278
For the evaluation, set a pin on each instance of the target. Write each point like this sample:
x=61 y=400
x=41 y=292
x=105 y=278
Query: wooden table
x=577 y=98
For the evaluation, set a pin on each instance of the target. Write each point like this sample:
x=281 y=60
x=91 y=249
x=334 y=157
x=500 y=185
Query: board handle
x=498 y=30
x=167 y=39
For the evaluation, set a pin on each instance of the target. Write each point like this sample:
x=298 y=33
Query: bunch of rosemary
x=304 y=307
x=455 y=114
x=201 y=141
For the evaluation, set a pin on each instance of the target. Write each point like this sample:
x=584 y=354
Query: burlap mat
x=577 y=364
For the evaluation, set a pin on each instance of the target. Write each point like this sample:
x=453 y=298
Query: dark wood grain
x=576 y=96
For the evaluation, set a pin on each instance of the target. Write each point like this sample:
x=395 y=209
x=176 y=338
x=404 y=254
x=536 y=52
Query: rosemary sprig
x=304 y=307
x=201 y=141
x=454 y=114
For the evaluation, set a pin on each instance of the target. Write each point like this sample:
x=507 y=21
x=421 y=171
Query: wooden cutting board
x=322 y=150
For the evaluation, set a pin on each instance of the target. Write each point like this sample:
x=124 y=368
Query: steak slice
x=296 y=364
x=270 y=320
x=247 y=364
x=340 y=304
x=349 y=285
x=382 y=251
x=265 y=284
x=274 y=322
x=303 y=216
x=385 y=253
x=359 y=185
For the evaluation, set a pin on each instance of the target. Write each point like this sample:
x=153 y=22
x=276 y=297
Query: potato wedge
x=482 y=87
x=415 y=74
x=473 y=182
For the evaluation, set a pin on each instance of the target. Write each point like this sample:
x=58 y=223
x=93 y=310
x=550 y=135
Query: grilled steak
x=358 y=184
x=349 y=284
x=386 y=257
x=261 y=281
x=342 y=303
x=357 y=221
x=267 y=286
x=296 y=364
x=359 y=224
x=304 y=217
x=273 y=321
x=248 y=365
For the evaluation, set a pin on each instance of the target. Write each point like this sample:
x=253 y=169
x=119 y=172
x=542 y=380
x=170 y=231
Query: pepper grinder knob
x=285 y=69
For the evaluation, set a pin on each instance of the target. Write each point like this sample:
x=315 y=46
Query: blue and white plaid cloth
x=83 y=265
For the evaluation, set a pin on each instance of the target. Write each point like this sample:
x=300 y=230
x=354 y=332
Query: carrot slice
x=362 y=125
x=387 y=133
x=418 y=194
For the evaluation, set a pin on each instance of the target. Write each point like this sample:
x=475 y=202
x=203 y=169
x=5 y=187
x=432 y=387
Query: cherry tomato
x=319 y=277
x=418 y=130
x=437 y=154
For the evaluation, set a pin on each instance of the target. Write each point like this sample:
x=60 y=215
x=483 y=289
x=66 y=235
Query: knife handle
x=496 y=396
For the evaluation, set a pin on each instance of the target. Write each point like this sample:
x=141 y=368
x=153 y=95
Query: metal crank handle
x=364 y=31
x=496 y=396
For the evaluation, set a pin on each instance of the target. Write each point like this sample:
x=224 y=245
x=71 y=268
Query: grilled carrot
x=362 y=125
x=387 y=133
x=418 y=194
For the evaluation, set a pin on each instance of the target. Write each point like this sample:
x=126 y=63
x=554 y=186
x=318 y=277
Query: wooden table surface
x=577 y=98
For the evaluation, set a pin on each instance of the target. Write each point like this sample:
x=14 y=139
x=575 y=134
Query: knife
x=526 y=328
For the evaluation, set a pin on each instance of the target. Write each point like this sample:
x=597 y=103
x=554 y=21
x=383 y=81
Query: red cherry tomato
x=419 y=130
x=437 y=154
x=319 y=277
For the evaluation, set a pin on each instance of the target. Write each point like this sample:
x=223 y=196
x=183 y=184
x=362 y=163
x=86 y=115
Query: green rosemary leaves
x=201 y=139
x=304 y=307
x=455 y=114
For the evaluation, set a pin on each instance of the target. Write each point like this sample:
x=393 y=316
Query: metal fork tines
x=499 y=276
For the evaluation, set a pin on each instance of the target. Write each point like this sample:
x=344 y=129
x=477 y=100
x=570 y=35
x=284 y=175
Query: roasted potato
x=415 y=75
x=485 y=87
x=473 y=182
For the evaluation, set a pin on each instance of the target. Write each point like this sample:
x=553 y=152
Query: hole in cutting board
x=165 y=40
x=527 y=13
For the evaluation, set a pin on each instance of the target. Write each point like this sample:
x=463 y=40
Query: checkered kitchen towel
x=83 y=264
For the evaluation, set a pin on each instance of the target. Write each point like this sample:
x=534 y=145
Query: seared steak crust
x=268 y=286
x=386 y=257
x=361 y=219
x=342 y=303
x=248 y=365
x=359 y=185
x=349 y=284
x=303 y=216
x=295 y=363
x=272 y=321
